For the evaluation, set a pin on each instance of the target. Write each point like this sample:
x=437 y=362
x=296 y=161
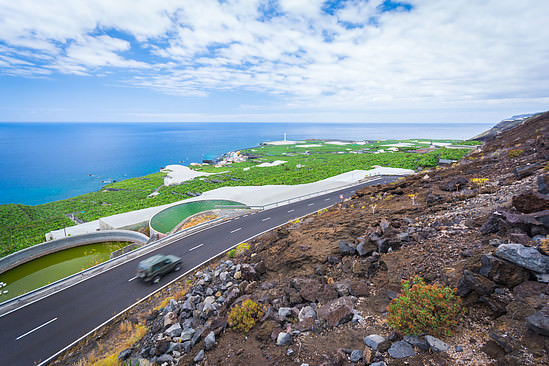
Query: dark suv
x=151 y=269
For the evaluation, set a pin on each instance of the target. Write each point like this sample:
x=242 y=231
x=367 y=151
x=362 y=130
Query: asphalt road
x=36 y=333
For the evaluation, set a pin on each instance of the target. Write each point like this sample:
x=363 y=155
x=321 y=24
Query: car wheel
x=156 y=279
x=177 y=267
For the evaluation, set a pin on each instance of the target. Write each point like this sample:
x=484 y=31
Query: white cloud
x=439 y=53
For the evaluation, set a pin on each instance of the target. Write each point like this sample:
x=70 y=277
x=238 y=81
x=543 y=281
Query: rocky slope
x=479 y=226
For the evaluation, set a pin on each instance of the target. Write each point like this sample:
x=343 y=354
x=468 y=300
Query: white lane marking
x=235 y=230
x=265 y=219
x=327 y=199
x=236 y=218
x=292 y=210
x=310 y=204
x=198 y=246
x=133 y=278
x=35 y=329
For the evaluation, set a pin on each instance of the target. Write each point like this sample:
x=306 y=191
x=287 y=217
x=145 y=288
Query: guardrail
x=44 y=291
x=36 y=251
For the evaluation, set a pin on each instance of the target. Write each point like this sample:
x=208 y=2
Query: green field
x=23 y=225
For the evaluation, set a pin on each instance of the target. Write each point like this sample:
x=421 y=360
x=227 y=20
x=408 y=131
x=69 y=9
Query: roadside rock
x=526 y=257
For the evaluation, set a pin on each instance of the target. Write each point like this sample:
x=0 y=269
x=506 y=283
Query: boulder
x=187 y=334
x=162 y=359
x=306 y=312
x=454 y=185
x=174 y=330
x=401 y=349
x=337 y=311
x=374 y=341
x=170 y=319
x=248 y=272
x=531 y=202
x=436 y=344
x=209 y=341
x=125 y=354
x=199 y=356
x=283 y=339
x=365 y=248
x=417 y=342
x=543 y=184
x=539 y=322
x=501 y=271
x=313 y=291
x=526 y=257
x=346 y=248
x=480 y=284
x=284 y=313
x=356 y=355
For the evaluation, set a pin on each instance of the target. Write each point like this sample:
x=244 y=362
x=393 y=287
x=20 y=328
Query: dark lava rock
x=501 y=271
x=436 y=344
x=417 y=342
x=337 y=311
x=543 y=184
x=526 y=257
x=248 y=272
x=454 y=184
x=531 y=202
x=346 y=248
x=125 y=354
x=401 y=349
x=539 y=322
x=480 y=284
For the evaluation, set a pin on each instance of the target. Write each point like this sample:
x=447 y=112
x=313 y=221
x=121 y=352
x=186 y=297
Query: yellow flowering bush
x=244 y=317
x=423 y=308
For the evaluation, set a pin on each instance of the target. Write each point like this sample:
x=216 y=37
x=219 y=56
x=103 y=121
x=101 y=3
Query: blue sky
x=273 y=61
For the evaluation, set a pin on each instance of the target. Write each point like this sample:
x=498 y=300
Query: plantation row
x=24 y=226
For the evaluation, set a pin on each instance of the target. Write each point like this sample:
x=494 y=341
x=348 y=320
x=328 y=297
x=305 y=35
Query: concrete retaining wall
x=15 y=259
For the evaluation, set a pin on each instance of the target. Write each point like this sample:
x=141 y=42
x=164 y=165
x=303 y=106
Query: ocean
x=44 y=162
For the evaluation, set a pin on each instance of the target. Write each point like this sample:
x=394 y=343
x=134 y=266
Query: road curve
x=38 y=332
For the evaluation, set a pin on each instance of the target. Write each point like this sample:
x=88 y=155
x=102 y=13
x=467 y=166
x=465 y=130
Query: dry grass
x=164 y=303
x=104 y=355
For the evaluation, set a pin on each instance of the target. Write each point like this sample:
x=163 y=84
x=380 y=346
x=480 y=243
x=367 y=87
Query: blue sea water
x=44 y=162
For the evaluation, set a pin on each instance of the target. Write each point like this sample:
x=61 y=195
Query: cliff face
x=326 y=280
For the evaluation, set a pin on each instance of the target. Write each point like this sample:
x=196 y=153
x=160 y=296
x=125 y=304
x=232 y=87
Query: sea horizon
x=42 y=162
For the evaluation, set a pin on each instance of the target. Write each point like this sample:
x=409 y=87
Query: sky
x=272 y=60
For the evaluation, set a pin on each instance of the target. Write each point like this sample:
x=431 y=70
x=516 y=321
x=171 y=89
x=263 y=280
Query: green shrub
x=244 y=317
x=231 y=253
x=421 y=308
